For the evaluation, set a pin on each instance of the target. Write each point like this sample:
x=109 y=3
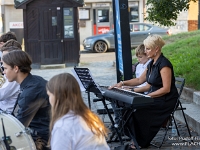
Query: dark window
x=54 y=21
x=68 y=22
x=94 y=16
x=134 y=12
x=103 y=15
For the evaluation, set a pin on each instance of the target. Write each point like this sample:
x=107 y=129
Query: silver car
x=139 y=31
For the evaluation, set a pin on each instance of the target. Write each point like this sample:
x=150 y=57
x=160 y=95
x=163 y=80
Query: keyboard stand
x=112 y=121
x=122 y=124
x=131 y=134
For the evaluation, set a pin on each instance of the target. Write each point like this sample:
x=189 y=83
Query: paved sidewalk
x=105 y=74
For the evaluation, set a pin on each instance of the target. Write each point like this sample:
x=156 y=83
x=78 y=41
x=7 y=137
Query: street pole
x=122 y=40
x=119 y=74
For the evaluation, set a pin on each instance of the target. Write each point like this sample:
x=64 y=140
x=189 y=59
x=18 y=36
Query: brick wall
x=192 y=25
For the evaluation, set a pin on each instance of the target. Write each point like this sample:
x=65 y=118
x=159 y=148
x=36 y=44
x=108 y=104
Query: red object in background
x=101 y=30
x=94 y=29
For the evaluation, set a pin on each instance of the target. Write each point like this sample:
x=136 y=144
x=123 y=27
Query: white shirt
x=72 y=133
x=8 y=95
x=140 y=68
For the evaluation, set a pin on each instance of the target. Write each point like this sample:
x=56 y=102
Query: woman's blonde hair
x=68 y=97
x=154 y=40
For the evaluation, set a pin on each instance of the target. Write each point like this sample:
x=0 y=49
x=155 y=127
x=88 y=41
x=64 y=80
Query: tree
x=165 y=12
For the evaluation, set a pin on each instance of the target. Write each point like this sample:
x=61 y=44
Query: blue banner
x=118 y=33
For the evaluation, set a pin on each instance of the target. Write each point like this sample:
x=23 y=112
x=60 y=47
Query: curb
x=191 y=101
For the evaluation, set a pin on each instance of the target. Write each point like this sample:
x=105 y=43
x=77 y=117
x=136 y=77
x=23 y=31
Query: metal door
x=102 y=20
x=51 y=35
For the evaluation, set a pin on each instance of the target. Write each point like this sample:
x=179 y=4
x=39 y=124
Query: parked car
x=138 y=32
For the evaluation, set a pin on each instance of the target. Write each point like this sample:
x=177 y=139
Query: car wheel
x=100 y=47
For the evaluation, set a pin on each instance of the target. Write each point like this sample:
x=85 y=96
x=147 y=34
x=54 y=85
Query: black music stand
x=86 y=79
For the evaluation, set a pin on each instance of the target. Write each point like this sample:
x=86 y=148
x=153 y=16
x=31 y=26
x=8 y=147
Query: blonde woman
x=160 y=79
x=73 y=126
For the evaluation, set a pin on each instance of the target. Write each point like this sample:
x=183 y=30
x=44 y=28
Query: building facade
x=11 y=19
x=96 y=16
x=9 y=14
x=187 y=20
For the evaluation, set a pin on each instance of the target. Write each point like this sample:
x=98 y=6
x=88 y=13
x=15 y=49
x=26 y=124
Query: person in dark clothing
x=161 y=87
x=33 y=102
x=7 y=36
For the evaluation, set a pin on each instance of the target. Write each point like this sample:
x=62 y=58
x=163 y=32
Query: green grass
x=183 y=50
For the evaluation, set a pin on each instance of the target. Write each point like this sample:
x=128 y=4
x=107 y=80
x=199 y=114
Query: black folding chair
x=180 y=82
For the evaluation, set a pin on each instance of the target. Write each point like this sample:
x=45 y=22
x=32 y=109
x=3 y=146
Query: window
x=84 y=14
x=103 y=15
x=134 y=13
x=140 y=27
x=54 y=21
x=68 y=23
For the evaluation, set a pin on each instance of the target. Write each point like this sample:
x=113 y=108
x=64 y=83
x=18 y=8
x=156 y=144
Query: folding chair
x=180 y=82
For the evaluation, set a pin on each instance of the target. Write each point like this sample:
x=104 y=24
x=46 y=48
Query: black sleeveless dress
x=147 y=121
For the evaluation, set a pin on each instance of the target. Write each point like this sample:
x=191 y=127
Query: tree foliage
x=165 y=12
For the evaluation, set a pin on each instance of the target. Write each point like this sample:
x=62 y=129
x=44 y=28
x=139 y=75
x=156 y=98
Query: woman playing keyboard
x=160 y=79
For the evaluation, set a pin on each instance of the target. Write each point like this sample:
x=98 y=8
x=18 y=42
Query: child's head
x=140 y=54
x=11 y=43
x=66 y=93
x=15 y=61
x=7 y=36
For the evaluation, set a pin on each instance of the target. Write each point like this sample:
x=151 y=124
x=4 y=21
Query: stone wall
x=193 y=16
x=181 y=23
x=181 y=26
x=187 y=94
x=192 y=25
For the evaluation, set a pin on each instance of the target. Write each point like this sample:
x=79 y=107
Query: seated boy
x=8 y=90
x=143 y=62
